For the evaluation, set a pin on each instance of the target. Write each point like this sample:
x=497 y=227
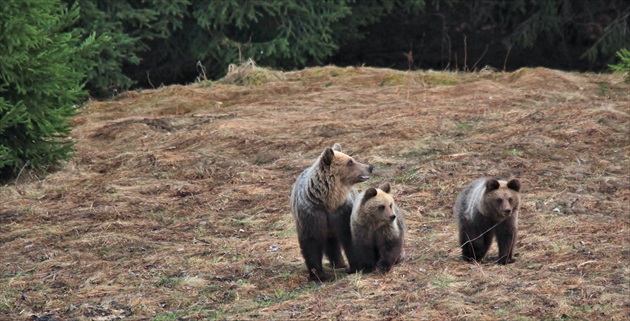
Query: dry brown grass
x=177 y=204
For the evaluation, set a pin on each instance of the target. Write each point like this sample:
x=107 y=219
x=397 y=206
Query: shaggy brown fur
x=488 y=207
x=321 y=204
x=378 y=230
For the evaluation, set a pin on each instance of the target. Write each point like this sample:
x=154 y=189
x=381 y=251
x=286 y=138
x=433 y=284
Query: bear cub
x=483 y=204
x=378 y=230
x=321 y=204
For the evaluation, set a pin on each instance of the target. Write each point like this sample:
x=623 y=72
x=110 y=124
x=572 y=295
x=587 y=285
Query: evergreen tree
x=42 y=69
x=275 y=33
x=131 y=26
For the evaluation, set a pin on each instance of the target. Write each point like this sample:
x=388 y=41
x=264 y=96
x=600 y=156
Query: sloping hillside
x=176 y=206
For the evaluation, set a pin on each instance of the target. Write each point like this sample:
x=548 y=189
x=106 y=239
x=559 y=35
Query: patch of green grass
x=406 y=177
x=323 y=73
x=169 y=281
x=105 y=251
x=501 y=312
x=421 y=153
x=560 y=98
x=194 y=313
x=569 y=317
x=173 y=316
x=6 y=302
x=280 y=295
x=217 y=315
x=584 y=308
x=604 y=88
x=286 y=233
x=464 y=126
x=163 y=217
x=216 y=260
x=442 y=281
x=441 y=79
x=514 y=152
x=244 y=220
x=394 y=80
x=286 y=275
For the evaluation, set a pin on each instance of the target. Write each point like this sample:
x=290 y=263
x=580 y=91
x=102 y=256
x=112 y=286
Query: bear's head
x=343 y=167
x=377 y=206
x=501 y=198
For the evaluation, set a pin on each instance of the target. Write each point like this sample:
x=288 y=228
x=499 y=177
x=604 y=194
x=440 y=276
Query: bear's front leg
x=506 y=239
x=389 y=254
x=474 y=245
x=362 y=256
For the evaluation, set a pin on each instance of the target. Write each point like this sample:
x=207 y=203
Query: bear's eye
x=499 y=201
x=381 y=207
x=350 y=163
x=391 y=206
x=510 y=200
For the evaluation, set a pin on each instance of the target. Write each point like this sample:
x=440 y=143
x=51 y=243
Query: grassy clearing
x=177 y=204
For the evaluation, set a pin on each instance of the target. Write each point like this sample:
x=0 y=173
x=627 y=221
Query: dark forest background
x=174 y=41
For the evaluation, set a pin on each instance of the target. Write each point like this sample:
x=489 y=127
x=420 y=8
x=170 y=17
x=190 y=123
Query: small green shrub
x=624 y=65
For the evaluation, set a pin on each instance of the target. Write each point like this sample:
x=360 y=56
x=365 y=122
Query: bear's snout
x=392 y=217
x=370 y=168
x=508 y=212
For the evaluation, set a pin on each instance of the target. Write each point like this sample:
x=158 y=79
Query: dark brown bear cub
x=321 y=204
x=377 y=227
x=485 y=203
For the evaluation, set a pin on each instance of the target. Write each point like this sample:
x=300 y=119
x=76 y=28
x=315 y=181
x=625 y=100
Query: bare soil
x=176 y=206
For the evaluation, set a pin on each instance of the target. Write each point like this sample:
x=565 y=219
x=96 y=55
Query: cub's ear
x=514 y=184
x=327 y=157
x=385 y=187
x=492 y=184
x=337 y=147
x=369 y=193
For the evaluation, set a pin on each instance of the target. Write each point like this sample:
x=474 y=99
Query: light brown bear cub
x=321 y=204
x=483 y=204
x=378 y=230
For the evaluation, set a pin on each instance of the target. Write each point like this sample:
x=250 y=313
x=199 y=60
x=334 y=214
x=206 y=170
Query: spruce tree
x=130 y=25
x=42 y=69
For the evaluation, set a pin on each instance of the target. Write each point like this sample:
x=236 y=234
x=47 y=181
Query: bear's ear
x=492 y=184
x=337 y=147
x=385 y=187
x=327 y=157
x=514 y=184
x=369 y=193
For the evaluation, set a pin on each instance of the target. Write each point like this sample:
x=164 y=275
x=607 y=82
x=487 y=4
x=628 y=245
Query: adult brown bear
x=321 y=204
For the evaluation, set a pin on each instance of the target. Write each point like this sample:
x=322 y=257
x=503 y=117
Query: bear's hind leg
x=313 y=253
x=339 y=225
x=333 y=253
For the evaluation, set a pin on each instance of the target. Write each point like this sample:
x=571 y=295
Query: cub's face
x=377 y=206
x=502 y=198
x=344 y=167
